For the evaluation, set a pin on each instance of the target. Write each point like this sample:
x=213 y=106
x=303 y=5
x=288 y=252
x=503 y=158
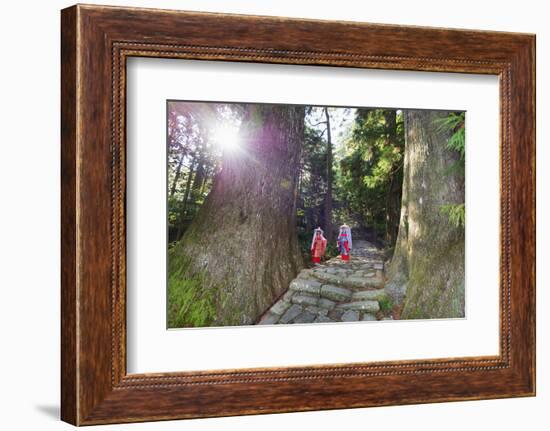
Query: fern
x=455 y=123
x=456 y=214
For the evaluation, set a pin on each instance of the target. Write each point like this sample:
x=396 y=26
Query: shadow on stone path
x=334 y=291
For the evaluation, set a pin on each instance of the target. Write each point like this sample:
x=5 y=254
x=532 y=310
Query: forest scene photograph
x=297 y=214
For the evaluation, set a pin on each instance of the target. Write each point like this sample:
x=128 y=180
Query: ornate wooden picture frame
x=96 y=41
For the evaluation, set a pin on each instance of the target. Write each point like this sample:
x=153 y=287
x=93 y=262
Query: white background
x=29 y=229
x=151 y=348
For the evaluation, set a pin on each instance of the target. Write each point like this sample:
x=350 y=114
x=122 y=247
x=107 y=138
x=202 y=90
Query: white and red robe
x=344 y=242
x=318 y=246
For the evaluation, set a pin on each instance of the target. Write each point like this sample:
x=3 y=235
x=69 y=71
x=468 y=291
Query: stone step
x=335 y=314
x=294 y=311
x=304 y=300
x=326 y=303
x=366 y=273
x=352 y=281
x=280 y=307
x=350 y=316
x=336 y=293
x=305 y=274
x=335 y=279
x=368 y=295
x=323 y=319
x=317 y=310
x=362 y=282
x=305 y=317
x=366 y=306
x=311 y=287
x=331 y=270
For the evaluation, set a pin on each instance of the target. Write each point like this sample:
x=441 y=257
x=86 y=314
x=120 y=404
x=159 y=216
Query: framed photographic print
x=264 y=214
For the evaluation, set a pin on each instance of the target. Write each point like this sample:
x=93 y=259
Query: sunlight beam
x=226 y=137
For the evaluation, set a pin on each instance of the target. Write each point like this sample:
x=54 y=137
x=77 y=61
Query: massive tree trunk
x=241 y=250
x=426 y=274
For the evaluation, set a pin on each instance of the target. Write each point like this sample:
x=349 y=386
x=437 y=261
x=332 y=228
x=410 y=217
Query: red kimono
x=318 y=246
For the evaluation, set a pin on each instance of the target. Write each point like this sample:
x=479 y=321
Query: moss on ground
x=190 y=305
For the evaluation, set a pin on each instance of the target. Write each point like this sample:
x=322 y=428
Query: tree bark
x=328 y=196
x=393 y=202
x=393 y=198
x=426 y=273
x=241 y=250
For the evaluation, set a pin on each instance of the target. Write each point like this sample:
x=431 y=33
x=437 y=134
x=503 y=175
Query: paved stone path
x=334 y=291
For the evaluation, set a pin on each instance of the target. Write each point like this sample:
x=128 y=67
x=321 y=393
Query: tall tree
x=241 y=251
x=426 y=273
x=328 y=196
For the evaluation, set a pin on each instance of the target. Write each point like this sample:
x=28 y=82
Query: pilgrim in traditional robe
x=318 y=245
x=344 y=242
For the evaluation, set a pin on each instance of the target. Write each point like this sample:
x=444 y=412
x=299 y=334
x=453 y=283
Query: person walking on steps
x=344 y=242
x=318 y=245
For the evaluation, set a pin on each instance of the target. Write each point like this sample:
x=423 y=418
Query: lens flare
x=226 y=137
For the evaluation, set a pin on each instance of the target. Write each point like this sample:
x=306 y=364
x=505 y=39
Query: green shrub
x=386 y=304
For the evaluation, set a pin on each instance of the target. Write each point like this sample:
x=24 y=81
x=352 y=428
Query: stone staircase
x=334 y=291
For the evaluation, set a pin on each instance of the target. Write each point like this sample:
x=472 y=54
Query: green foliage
x=371 y=164
x=304 y=242
x=455 y=123
x=366 y=171
x=190 y=305
x=386 y=304
x=456 y=214
x=457 y=142
x=332 y=250
x=313 y=182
